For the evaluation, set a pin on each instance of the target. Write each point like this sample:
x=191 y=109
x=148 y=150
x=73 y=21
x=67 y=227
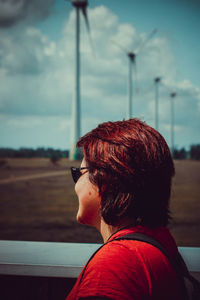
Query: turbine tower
x=130 y=84
x=79 y=5
x=132 y=63
x=172 y=95
x=156 y=81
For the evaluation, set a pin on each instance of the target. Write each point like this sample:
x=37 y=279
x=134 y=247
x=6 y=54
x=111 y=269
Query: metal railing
x=47 y=259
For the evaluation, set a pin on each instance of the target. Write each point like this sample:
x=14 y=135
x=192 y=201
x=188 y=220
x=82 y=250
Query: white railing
x=61 y=259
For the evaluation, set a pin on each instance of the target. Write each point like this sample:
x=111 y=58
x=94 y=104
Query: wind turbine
x=132 y=62
x=172 y=95
x=79 y=5
x=156 y=81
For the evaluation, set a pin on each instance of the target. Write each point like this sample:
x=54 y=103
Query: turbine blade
x=84 y=11
x=145 y=41
x=163 y=84
x=119 y=46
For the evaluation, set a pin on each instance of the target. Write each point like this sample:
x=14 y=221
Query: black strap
x=177 y=261
x=83 y=272
x=143 y=238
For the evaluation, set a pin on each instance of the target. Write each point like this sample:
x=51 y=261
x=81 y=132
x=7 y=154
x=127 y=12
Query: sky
x=37 y=63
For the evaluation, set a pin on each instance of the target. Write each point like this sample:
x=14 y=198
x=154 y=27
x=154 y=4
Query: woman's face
x=89 y=199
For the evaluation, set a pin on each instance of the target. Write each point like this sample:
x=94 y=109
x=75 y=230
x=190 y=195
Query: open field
x=38 y=203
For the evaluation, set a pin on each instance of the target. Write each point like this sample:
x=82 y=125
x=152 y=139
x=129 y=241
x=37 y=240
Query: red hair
x=131 y=164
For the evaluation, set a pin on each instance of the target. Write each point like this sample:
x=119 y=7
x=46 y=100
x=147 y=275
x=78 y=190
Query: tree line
x=31 y=153
x=55 y=154
x=193 y=153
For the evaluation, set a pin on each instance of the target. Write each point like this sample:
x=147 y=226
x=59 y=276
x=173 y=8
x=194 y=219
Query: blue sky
x=37 y=68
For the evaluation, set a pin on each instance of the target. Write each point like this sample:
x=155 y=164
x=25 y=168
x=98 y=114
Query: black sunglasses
x=76 y=173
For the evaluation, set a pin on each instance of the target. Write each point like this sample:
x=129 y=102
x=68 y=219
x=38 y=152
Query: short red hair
x=131 y=164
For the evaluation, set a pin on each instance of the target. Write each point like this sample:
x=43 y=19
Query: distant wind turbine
x=79 y=5
x=172 y=95
x=132 y=62
x=157 y=81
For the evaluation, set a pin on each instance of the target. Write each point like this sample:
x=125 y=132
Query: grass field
x=38 y=203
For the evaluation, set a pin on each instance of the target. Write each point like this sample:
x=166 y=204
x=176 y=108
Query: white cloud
x=25 y=51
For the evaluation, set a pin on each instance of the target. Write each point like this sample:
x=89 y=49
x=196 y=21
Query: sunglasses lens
x=76 y=174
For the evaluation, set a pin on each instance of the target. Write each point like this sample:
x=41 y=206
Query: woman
x=123 y=186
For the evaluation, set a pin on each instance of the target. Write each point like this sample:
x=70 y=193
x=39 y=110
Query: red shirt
x=129 y=269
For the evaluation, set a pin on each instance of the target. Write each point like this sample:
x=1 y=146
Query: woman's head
x=132 y=167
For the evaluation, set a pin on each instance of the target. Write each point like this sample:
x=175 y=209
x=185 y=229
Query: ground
x=38 y=202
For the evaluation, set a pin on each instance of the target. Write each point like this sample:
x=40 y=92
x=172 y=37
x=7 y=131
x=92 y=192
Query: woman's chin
x=80 y=219
x=85 y=221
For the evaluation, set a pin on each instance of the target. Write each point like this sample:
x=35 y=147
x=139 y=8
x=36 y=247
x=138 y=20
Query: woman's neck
x=107 y=231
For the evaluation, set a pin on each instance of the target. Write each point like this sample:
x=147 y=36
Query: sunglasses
x=76 y=173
